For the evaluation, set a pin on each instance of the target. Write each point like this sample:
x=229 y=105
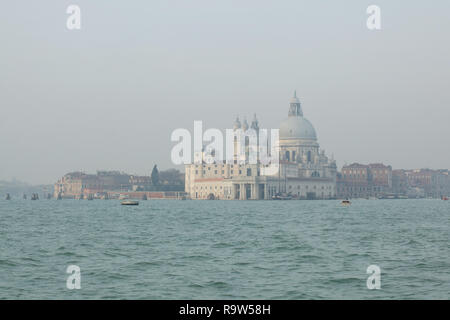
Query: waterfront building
x=354 y=181
x=363 y=181
x=109 y=184
x=399 y=182
x=432 y=183
x=305 y=172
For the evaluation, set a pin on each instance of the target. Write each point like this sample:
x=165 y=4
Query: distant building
x=378 y=180
x=140 y=183
x=354 y=181
x=434 y=183
x=305 y=172
x=381 y=176
x=400 y=185
x=364 y=181
x=76 y=185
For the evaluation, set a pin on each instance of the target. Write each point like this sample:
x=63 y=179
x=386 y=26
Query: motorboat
x=281 y=196
x=129 y=203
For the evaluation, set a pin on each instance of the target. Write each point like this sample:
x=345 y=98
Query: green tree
x=171 y=177
x=155 y=176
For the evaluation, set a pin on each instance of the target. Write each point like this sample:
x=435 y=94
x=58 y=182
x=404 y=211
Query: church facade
x=305 y=172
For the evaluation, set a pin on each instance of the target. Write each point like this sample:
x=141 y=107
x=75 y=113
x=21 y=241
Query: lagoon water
x=168 y=249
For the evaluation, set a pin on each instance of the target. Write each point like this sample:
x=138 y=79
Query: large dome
x=297 y=127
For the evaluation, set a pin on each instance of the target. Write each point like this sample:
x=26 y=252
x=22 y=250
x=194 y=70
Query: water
x=167 y=249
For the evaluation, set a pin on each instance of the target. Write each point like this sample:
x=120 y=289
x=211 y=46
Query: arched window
x=293 y=155
x=309 y=156
x=287 y=156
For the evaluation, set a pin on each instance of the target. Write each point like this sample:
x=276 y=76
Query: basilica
x=304 y=171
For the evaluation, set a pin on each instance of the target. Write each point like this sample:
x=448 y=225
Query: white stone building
x=305 y=172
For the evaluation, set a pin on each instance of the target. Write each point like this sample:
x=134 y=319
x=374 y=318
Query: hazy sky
x=109 y=95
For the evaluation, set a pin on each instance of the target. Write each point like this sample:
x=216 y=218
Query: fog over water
x=108 y=96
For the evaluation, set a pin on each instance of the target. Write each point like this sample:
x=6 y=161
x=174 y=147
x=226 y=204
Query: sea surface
x=171 y=249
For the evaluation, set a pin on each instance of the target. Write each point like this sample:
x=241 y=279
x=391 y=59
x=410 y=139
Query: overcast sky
x=109 y=95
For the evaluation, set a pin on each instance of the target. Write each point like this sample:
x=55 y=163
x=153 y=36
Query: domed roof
x=296 y=126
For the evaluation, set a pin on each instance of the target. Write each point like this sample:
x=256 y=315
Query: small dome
x=297 y=127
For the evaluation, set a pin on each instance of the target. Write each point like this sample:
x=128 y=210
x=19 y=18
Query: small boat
x=129 y=203
x=346 y=202
x=280 y=196
x=34 y=196
x=445 y=198
x=8 y=197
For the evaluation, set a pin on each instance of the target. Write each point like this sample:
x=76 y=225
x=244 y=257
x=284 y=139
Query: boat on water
x=445 y=198
x=34 y=196
x=346 y=202
x=281 y=196
x=8 y=197
x=129 y=203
